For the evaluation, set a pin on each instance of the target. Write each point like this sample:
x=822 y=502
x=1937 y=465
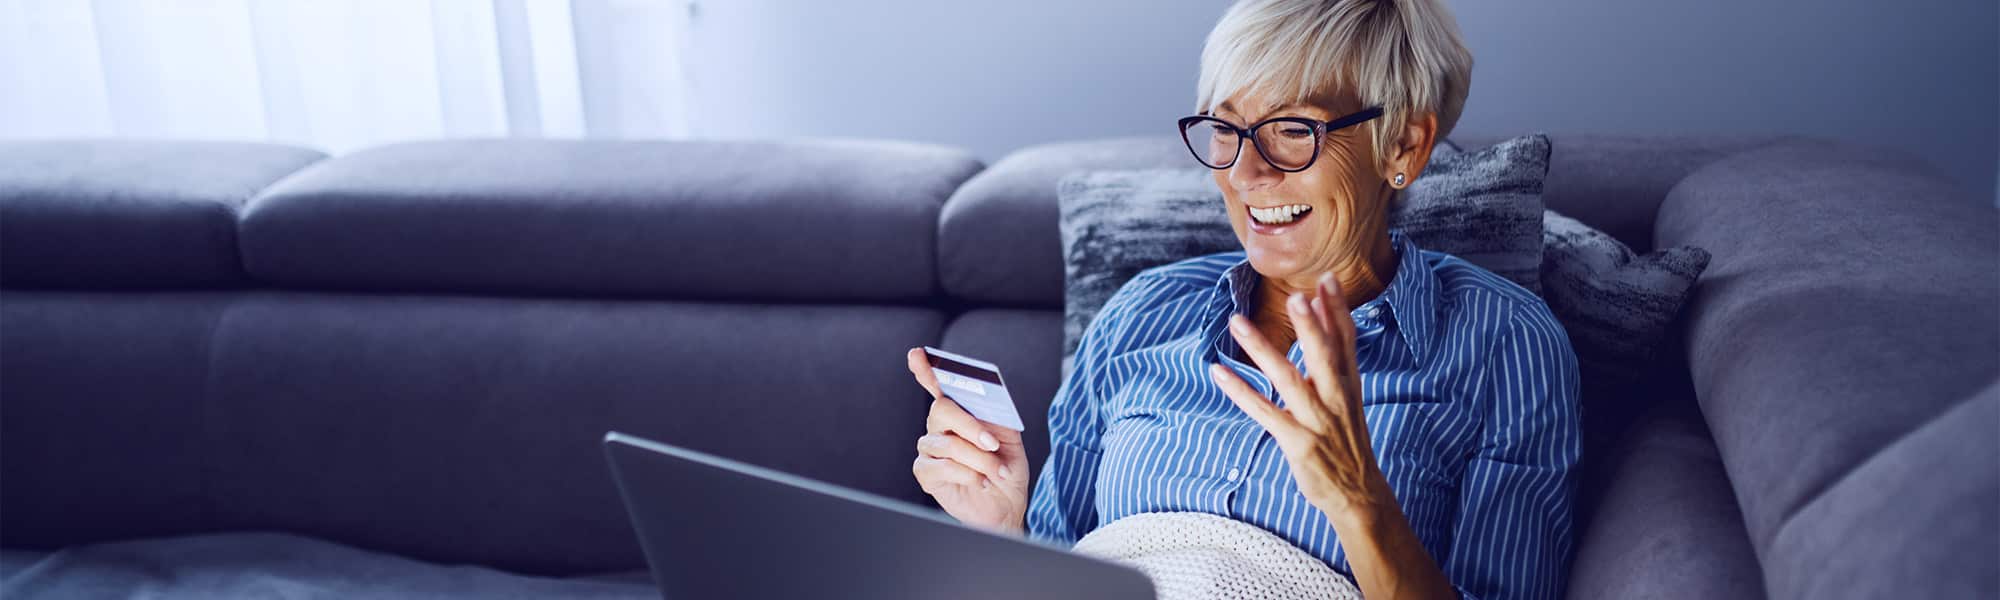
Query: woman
x=1402 y=415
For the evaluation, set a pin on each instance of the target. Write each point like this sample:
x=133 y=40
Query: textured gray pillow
x=1483 y=206
x=1617 y=306
x=1118 y=223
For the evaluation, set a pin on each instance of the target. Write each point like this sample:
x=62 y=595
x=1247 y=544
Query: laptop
x=717 y=528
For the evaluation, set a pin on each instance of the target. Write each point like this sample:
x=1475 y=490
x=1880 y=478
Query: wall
x=1921 y=76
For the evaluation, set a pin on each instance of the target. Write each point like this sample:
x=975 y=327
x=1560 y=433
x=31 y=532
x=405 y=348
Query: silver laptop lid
x=717 y=528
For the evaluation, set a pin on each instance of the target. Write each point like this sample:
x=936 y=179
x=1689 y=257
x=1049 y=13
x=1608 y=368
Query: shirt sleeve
x=1513 y=536
x=1063 y=506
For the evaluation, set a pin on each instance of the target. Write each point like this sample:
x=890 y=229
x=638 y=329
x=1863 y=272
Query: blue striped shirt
x=1469 y=391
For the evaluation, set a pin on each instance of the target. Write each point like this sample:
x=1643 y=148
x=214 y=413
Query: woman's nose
x=1251 y=172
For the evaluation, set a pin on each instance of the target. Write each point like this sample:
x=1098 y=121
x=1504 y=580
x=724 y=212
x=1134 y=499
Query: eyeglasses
x=1289 y=144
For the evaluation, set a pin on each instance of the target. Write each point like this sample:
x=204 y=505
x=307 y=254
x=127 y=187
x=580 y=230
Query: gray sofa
x=252 y=369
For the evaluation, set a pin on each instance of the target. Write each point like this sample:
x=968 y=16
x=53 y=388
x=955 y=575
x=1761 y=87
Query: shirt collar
x=1410 y=301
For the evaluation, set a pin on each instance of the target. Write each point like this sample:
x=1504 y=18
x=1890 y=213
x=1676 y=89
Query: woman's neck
x=1362 y=277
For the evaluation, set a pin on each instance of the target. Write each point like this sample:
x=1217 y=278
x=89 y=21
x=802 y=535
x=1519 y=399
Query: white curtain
x=342 y=74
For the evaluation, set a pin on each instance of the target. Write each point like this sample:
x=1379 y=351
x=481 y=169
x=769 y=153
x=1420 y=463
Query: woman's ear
x=1412 y=151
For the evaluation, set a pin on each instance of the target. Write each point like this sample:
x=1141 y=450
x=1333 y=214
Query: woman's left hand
x=1321 y=428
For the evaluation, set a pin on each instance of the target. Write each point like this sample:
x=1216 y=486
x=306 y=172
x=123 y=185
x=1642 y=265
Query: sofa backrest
x=430 y=340
x=822 y=221
x=130 y=214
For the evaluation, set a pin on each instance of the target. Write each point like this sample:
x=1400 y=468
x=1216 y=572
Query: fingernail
x=1297 y=303
x=1238 y=323
x=1006 y=473
x=1215 y=370
x=986 y=441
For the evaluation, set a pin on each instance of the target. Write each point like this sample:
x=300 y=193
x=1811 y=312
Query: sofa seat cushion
x=274 y=565
x=1657 y=518
x=822 y=220
x=130 y=214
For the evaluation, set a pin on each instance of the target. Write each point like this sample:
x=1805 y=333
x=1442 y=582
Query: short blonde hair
x=1402 y=55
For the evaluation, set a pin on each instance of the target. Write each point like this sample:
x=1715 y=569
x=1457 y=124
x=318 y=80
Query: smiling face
x=1338 y=207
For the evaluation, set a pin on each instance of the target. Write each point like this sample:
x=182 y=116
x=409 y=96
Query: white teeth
x=1278 y=215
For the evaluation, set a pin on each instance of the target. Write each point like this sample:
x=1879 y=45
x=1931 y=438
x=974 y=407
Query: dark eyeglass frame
x=1320 y=130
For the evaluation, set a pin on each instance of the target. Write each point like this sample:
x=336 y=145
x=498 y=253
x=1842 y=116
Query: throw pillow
x=1617 y=306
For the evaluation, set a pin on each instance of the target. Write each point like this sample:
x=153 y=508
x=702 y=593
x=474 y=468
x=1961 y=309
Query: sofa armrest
x=1851 y=302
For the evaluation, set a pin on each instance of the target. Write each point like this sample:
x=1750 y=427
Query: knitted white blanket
x=1199 y=555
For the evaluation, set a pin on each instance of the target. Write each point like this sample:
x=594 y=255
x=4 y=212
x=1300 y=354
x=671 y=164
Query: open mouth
x=1278 y=216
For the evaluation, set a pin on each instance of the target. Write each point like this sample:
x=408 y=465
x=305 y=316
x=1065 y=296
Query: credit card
x=976 y=386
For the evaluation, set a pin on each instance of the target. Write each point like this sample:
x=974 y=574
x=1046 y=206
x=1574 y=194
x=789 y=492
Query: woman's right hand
x=977 y=471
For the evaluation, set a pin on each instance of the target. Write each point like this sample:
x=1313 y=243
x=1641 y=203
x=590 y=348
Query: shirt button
x=1233 y=474
x=1372 y=312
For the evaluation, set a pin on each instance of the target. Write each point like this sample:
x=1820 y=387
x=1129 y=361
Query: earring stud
x=1399 y=180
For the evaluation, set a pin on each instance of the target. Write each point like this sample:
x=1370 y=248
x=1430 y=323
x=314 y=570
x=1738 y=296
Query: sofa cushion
x=997 y=237
x=276 y=565
x=130 y=214
x=469 y=429
x=1656 y=516
x=104 y=397
x=1917 y=520
x=822 y=220
x=1850 y=301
